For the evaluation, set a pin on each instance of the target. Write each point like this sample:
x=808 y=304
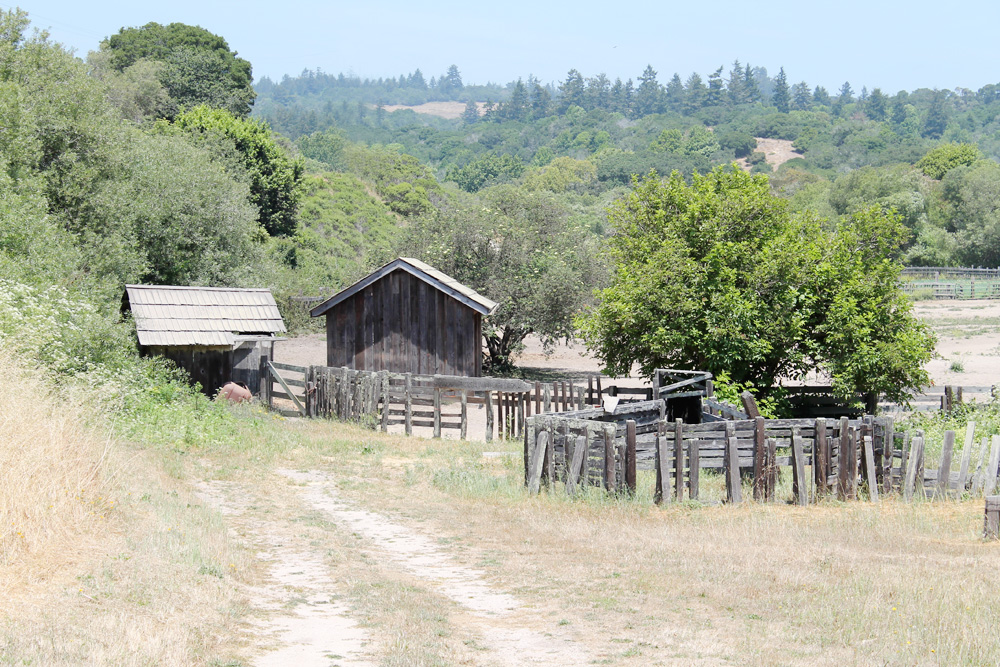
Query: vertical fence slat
x=759 y=457
x=799 y=489
x=821 y=452
x=679 y=460
x=734 y=493
x=944 y=468
x=487 y=397
x=694 y=472
x=630 y=473
x=464 y=428
x=963 y=470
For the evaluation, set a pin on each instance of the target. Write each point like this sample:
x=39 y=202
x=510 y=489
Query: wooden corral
x=406 y=317
x=217 y=334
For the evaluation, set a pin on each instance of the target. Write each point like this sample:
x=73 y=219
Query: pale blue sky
x=875 y=44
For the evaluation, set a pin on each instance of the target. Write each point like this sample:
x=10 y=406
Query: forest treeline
x=852 y=148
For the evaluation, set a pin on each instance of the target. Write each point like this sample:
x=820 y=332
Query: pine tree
x=599 y=92
x=516 y=108
x=471 y=113
x=820 y=96
x=937 y=117
x=801 y=97
x=695 y=94
x=675 y=94
x=571 y=91
x=540 y=101
x=751 y=91
x=735 y=88
x=716 y=89
x=648 y=97
x=876 y=105
x=780 y=98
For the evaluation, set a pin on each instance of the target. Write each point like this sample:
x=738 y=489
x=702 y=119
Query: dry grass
x=57 y=481
x=104 y=558
x=852 y=583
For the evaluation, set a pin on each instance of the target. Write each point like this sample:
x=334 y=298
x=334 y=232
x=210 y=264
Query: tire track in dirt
x=309 y=626
x=497 y=616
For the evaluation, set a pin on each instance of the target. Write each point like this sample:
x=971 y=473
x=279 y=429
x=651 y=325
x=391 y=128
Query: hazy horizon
x=889 y=49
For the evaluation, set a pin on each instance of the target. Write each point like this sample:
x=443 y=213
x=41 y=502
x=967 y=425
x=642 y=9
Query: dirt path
x=306 y=626
x=304 y=620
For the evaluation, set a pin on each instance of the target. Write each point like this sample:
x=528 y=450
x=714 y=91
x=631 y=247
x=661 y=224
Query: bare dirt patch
x=449 y=110
x=776 y=151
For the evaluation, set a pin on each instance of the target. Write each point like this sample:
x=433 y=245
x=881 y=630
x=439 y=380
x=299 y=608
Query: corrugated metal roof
x=425 y=272
x=167 y=315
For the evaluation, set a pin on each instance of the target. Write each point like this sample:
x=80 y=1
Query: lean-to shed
x=217 y=334
x=406 y=317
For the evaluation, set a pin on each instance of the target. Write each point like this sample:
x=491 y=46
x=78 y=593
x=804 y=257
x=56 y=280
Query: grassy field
x=195 y=533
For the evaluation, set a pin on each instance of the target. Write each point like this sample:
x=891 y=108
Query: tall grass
x=56 y=479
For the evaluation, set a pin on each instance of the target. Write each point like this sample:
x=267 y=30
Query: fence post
x=799 y=470
x=548 y=397
x=575 y=467
x=609 y=461
x=991 y=522
x=384 y=388
x=914 y=468
x=843 y=467
x=489 y=415
x=759 y=457
x=679 y=460
x=888 y=448
x=821 y=454
x=731 y=462
x=408 y=406
x=868 y=444
x=537 y=460
x=963 y=470
x=630 y=456
x=662 y=490
x=771 y=470
x=694 y=461
x=538 y=398
x=944 y=468
x=464 y=432
x=991 y=470
x=437 y=412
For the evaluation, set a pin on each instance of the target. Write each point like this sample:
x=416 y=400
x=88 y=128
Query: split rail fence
x=441 y=402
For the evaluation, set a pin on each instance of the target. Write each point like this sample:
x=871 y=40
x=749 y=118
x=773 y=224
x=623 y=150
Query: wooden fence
x=441 y=402
x=844 y=458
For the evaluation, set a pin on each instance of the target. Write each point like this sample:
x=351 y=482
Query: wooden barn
x=407 y=317
x=217 y=334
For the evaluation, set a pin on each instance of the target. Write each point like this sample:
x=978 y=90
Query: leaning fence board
x=868 y=443
x=576 y=465
x=991 y=470
x=917 y=453
x=537 y=460
x=979 y=477
x=963 y=471
x=944 y=469
x=734 y=493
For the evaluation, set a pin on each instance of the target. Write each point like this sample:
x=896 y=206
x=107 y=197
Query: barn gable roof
x=212 y=316
x=418 y=269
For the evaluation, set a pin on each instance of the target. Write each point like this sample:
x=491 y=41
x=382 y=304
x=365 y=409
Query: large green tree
x=522 y=250
x=198 y=66
x=274 y=176
x=719 y=276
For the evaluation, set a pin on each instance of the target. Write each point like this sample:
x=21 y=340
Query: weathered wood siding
x=246 y=362
x=404 y=325
x=212 y=367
